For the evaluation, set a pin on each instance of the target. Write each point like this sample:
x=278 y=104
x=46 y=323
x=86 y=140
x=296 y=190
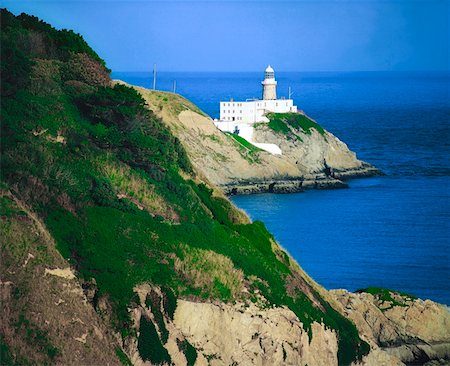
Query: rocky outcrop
x=416 y=333
x=412 y=330
x=246 y=335
x=310 y=161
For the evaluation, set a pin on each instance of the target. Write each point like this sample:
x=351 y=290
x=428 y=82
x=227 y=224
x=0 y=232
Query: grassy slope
x=288 y=123
x=35 y=305
x=117 y=191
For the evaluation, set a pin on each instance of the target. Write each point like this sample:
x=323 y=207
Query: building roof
x=269 y=69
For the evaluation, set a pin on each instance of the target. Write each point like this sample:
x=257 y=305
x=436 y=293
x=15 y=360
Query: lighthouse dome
x=269 y=73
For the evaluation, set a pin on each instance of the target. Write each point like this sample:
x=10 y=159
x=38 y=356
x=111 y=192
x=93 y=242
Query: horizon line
x=287 y=71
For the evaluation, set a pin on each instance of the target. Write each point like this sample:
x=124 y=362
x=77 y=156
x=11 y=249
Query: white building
x=252 y=111
x=240 y=116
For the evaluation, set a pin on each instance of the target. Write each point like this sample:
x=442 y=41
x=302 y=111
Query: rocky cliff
x=410 y=330
x=310 y=159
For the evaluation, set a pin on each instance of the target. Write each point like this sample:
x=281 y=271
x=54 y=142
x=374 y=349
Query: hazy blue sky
x=246 y=36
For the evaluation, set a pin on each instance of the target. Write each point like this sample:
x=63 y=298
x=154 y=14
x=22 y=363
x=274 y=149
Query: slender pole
x=154 y=76
x=174 y=86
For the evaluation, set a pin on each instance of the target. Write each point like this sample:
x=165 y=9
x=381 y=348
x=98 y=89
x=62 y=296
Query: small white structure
x=239 y=117
x=269 y=84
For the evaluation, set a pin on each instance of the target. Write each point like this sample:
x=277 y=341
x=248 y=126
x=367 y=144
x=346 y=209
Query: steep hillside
x=312 y=157
x=116 y=191
x=117 y=249
x=45 y=315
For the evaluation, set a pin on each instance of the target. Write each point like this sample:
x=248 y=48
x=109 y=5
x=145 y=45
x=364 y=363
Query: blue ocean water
x=390 y=231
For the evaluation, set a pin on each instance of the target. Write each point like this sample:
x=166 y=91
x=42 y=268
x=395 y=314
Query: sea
x=391 y=231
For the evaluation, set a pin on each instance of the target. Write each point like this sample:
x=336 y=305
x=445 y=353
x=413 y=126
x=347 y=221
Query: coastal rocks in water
x=246 y=335
x=281 y=185
x=412 y=330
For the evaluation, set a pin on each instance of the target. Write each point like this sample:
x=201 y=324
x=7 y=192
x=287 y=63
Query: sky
x=302 y=35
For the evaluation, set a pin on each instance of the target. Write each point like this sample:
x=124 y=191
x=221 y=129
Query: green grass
x=247 y=150
x=284 y=122
x=385 y=295
x=243 y=142
x=8 y=208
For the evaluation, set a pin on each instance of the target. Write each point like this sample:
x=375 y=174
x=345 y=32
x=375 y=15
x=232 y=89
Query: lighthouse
x=242 y=114
x=269 y=84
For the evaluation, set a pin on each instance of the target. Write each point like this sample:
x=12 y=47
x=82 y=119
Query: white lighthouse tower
x=269 y=84
x=233 y=113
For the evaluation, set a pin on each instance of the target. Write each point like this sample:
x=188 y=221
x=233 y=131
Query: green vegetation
x=153 y=302
x=37 y=337
x=8 y=208
x=250 y=147
x=125 y=361
x=169 y=302
x=287 y=123
x=174 y=102
x=6 y=357
x=117 y=192
x=189 y=351
x=150 y=346
x=392 y=298
x=247 y=150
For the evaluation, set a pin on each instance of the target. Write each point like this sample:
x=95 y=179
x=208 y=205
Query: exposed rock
x=66 y=273
x=247 y=335
x=412 y=330
x=378 y=357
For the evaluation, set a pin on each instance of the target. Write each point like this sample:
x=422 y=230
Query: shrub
x=15 y=67
x=169 y=301
x=189 y=351
x=83 y=68
x=45 y=78
x=149 y=345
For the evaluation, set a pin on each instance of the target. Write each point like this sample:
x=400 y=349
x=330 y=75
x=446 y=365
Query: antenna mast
x=290 y=94
x=174 y=86
x=154 y=76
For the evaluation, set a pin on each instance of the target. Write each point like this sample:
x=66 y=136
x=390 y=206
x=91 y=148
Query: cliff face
x=411 y=330
x=247 y=335
x=237 y=167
